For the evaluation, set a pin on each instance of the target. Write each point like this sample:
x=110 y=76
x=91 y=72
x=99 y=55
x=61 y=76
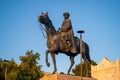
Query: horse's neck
x=50 y=30
x=52 y=27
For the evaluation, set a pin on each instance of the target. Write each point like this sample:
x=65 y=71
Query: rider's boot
x=71 y=47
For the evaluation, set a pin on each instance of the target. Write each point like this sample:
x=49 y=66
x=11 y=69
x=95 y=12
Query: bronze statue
x=56 y=43
x=68 y=35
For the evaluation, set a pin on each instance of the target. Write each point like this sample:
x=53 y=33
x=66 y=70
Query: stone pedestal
x=64 y=77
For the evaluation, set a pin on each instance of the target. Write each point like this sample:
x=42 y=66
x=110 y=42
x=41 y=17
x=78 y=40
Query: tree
x=2 y=70
x=12 y=70
x=7 y=68
x=77 y=70
x=29 y=70
x=41 y=72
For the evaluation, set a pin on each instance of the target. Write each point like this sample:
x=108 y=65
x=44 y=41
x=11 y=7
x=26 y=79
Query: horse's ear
x=41 y=12
x=47 y=13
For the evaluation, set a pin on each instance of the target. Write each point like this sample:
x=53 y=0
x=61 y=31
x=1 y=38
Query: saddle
x=67 y=42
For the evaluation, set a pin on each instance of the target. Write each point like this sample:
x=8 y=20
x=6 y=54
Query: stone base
x=64 y=77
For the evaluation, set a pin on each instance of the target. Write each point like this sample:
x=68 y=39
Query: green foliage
x=2 y=70
x=27 y=70
x=12 y=75
x=41 y=74
x=77 y=70
x=7 y=68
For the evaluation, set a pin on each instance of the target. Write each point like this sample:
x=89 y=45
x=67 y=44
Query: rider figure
x=69 y=35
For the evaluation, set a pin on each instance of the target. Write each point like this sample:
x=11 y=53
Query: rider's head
x=66 y=15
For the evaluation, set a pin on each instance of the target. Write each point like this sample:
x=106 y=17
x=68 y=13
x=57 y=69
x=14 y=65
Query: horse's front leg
x=72 y=63
x=47 y=63
x=54 y=62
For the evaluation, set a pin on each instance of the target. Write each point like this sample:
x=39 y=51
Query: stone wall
x=64 y=77
x=106 y=70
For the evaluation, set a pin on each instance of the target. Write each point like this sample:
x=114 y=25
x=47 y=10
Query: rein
x=42 y=30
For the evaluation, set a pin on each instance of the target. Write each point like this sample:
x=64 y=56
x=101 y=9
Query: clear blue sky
x=19 y=30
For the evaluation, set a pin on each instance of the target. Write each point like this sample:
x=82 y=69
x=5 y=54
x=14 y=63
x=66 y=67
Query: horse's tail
x=87 y=52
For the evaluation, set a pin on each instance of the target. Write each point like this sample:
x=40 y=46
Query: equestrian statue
x=62 y=41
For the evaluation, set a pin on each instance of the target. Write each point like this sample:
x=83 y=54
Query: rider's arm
x=66 y=25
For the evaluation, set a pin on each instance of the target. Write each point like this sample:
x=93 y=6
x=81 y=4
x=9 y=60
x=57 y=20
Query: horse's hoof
x=54 y=71
x=62 y=73
x=48 y=64
x=68 y=73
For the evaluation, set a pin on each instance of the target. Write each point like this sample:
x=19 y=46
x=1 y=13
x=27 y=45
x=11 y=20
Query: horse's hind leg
x=72 y=63
x=54 y=62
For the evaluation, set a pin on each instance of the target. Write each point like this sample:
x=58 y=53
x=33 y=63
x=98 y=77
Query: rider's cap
x=66 y=13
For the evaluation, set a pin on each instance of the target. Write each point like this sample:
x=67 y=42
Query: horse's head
x=43 y=18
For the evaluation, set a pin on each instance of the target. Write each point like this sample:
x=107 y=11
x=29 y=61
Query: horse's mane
x=52 y=27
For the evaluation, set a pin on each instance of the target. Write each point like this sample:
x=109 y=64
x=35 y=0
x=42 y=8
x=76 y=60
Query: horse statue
x=56 y=45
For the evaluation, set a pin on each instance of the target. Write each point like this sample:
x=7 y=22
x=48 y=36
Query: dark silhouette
x=68 y=34
x=55 y=44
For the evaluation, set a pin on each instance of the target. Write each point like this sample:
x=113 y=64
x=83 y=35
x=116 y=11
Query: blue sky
x=19 y=31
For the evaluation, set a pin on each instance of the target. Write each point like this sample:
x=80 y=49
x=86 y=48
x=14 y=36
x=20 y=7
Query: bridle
x=42 y=30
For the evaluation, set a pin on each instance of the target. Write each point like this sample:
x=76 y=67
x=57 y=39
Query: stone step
x=64 y=77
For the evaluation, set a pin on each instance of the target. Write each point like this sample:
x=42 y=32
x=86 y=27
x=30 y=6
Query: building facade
x=106 y=70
